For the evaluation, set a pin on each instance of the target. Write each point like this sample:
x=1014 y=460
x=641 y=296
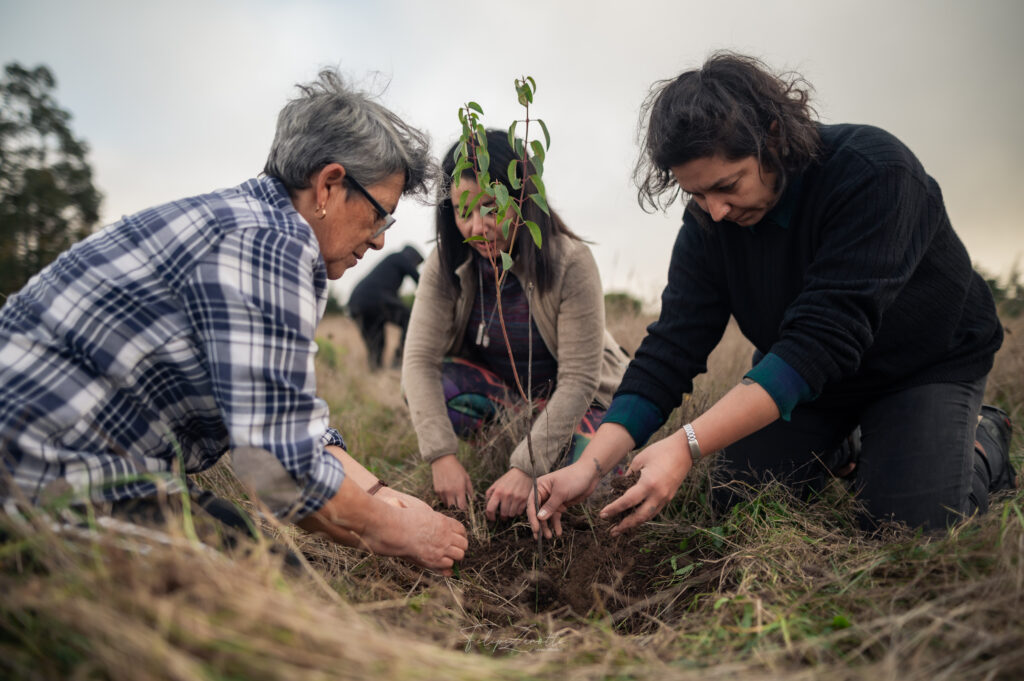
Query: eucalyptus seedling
x=525 y=172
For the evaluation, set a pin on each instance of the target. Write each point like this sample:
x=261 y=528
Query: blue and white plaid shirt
x=182 y=331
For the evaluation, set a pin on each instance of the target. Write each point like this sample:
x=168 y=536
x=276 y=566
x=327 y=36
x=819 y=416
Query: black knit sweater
x=862 y=288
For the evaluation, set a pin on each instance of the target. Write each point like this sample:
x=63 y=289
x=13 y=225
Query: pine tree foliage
x=47 y=197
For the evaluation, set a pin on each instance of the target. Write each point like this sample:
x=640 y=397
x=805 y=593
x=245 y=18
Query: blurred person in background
x=374 y=303
x=186 y=331
x=831 y=247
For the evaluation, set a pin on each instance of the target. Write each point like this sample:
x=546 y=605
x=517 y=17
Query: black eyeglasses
x=387 y=217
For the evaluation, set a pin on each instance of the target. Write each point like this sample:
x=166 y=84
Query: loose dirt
x=585 y=572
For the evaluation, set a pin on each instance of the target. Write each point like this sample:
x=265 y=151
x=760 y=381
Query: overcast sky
x=178 y=98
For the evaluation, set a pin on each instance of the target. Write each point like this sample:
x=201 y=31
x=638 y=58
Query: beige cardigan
x=570 y=318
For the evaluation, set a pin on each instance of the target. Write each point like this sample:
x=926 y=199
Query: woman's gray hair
x=329 y=122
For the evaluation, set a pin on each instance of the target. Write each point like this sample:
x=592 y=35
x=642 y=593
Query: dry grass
x=774 y=588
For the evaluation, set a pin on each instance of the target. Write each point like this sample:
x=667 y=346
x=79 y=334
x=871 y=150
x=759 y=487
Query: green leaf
x=484 y=210
x=478 y=237
x=683 y=571
x=483 y=159
x=539 y=184
x=840 y=622
x=539 y=200
x=501 y=195
x=462 y=116
x=534 y=232
x=519 y=147
x=547 y=137
x=538 y=149
x=468 y=210
x=506 y=261
x=537 y=164
x=506 y=224
x=512 y=134
x=463 y=198
x=513 y=177
x=533 y=83
x=720 y=602
x=475 y=107
x=460 y=167
x=522 y=93
x=716 y=536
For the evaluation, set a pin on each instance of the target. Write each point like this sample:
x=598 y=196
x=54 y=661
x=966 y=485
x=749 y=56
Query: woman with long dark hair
x=456 y=370
x=831 y=247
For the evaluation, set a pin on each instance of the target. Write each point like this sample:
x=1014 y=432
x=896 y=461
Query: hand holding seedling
x=451 y=481
x=509 y=494
x=573 y=484
x=557 y=491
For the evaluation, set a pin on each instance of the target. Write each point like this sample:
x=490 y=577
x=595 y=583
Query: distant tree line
x=47 y=197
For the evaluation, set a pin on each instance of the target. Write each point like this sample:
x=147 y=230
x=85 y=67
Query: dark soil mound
x=584 y=572
x=584 y=569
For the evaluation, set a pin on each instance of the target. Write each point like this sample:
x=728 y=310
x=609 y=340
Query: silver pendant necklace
x=483 y=337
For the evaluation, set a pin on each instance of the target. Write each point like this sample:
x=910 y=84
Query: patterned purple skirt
x=474 y=396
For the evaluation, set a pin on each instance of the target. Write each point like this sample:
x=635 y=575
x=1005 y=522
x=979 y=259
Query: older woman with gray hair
x=186 y=331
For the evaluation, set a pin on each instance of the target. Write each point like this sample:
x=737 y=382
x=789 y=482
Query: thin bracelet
x=376 y=487
x=691 y=438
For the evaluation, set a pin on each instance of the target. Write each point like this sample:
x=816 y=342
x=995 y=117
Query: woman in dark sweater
x=831 y=247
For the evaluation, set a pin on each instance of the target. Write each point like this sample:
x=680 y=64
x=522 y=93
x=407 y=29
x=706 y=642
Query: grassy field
x=774 y=588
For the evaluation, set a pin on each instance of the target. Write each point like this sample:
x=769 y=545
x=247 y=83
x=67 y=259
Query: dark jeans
x=917 y=462
x=371 y=321
x=216 y=519
x=149 y=510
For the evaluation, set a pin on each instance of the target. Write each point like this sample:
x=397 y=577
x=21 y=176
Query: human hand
x=509 y=493
x=400 y=499
x=396 y=525
x=420 y=535
x=558 y=490
x=451 y=481
x=663 y=466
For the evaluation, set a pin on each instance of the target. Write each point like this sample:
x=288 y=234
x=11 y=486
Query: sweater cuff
x=638 y=415
x=782 y=382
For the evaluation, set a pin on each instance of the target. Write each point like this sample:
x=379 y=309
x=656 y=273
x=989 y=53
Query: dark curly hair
x=733 y=106
x=451 y=246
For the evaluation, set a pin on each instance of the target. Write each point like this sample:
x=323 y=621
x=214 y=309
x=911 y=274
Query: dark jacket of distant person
x=381 y=285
